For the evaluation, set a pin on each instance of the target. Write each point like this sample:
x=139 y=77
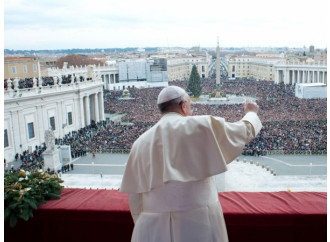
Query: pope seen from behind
x=170 y=173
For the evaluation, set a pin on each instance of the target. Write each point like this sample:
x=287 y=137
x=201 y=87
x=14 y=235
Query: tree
x=77 y=60
x=194 y=83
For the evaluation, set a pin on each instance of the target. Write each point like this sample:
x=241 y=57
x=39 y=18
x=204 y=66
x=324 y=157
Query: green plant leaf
x=32 y=203
x=25 y=214
x=53 y=195
x=13 y=205
x=7 y=213
x=22 y=197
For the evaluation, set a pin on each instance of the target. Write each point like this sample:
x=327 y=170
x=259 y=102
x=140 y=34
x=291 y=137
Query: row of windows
x=243 y=60
x=30 y=134
x=25 y=69
x=30 y=127
x=52 y=121
x=248 y=67
x=181 y=68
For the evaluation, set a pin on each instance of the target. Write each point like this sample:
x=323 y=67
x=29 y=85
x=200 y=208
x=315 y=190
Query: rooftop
x=20 y=58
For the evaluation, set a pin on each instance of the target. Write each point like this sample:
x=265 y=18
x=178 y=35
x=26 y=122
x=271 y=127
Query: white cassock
x=170 y=176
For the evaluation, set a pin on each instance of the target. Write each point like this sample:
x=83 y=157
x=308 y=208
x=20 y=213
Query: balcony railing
x=15 y=88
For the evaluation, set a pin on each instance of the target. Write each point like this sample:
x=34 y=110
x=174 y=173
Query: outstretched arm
x=232 y=137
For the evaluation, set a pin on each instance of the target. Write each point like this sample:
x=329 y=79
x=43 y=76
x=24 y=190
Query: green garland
x=24 y=192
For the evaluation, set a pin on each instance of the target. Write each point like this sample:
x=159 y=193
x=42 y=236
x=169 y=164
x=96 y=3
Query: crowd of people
x=289 y=123
x=142 y=108
x=30 y=161
x=310 y=135
x=44 y=81
x=102 y=137
x=277 y=103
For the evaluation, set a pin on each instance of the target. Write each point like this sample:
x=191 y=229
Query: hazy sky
x=62 y=24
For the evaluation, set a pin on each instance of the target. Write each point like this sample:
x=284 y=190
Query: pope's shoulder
x=175 y=122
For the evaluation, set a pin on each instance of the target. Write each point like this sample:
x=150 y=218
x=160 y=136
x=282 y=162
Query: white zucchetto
x=169 y=93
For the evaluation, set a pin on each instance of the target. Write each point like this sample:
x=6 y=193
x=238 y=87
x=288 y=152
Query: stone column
x=277 y=77
x=87 y=111
x=287 y=77
x=17 y=125
x=303 y=76
x=59 y=127
x=298 y=76
x=96 y=108
x=325 y=77
x=290 y=77
x=40 y=120
x=106 y=79
x=82 y=112
x=293 y=77
x=312 y=76
x=218 y=65
x=308 y=76
x=101 y=105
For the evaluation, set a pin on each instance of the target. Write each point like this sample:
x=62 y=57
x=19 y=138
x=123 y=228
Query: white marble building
x=297 y=72
x=122 y=74
x=277 y=69
x=29 y=112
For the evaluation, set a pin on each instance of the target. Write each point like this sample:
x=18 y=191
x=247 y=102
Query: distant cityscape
x=147 y=49
x=148 y=67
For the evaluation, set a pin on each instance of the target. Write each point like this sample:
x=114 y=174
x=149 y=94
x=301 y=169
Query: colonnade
x=110 y=78
x=292 y=75
x=92 y=108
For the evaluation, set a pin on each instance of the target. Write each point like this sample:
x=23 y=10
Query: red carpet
x=103 y=215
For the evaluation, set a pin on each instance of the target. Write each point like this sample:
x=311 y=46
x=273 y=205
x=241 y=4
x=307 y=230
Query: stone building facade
x=62 y=108
x=21 y=67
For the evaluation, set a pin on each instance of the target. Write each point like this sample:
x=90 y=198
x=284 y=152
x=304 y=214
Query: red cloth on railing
x=103 y=215
x=275 y=216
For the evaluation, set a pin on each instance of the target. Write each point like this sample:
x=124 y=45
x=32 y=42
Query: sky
x=67 y=24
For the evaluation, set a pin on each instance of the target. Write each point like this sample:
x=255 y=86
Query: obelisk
x=217 y=82
x=218 y=65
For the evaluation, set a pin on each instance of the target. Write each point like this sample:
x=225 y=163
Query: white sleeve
x=135 y=205
x=232 y=137
x=255 y=122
